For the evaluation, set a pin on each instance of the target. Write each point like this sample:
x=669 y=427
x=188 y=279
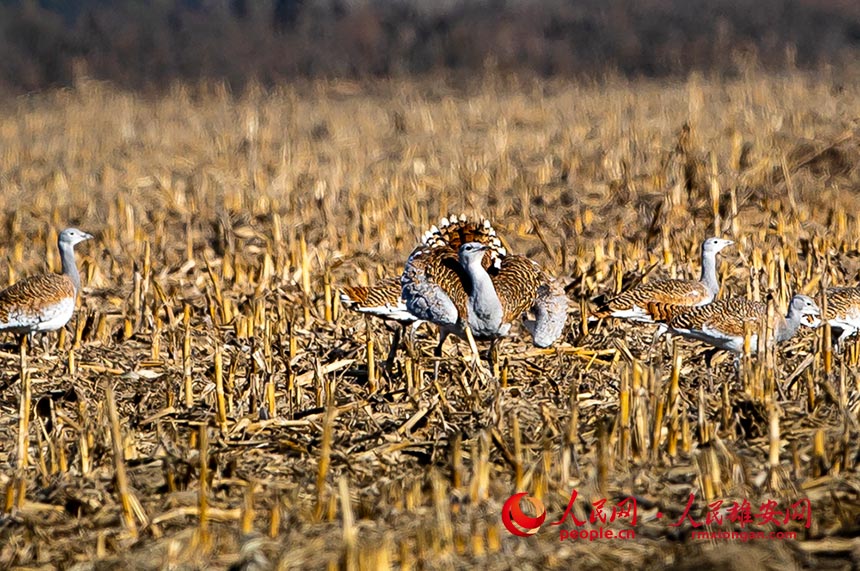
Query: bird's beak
x=87 y=236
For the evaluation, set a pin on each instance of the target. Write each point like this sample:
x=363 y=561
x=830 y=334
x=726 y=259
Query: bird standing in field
x=463 y=280
x=843 y=312
x=382 y=300
x=632 y=304
x=44 y=302
x=723 y=323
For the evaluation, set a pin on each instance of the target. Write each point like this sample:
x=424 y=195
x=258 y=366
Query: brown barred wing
x=517 y=283
x=665 y=312
x=843 y=302
x=666 y=292
x=34 y=300
x=433 y=286
x=382 y=299
x=728 y=316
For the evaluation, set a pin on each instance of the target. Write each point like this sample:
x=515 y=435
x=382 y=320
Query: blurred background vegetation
x=149 y=44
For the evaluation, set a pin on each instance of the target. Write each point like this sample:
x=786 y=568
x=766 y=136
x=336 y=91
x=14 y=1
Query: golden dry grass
x=212 y=405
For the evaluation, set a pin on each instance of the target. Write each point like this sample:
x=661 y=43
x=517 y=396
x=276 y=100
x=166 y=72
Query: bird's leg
x=738 y=369
x=476 y=356
x=46 y=342
x=661 y=329
x=392 y=351
x=493 y=356
x=845 y=333
x=483 y=373
x=709 y=365
x=437 y=353
x=409 y=338
x=668 y=338
x=22 y=353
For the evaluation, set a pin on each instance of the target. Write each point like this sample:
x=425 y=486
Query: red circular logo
x=518 y=522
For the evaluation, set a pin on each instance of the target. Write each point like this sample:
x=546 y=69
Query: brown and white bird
x=723 y=323
x=843 y=312
x=44 y=302
x=632 y=304
x=461 y=277
x=382 y=300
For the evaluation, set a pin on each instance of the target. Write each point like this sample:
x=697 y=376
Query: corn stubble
x=212 y=405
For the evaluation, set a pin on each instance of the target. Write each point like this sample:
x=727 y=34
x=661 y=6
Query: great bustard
x=462 y=279
x=382 y=300
x=632 y=304
x=843 y=312
x=723 y=323
x=44 y=302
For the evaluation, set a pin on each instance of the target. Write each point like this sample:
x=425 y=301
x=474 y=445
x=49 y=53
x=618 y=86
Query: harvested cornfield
x=211 y=404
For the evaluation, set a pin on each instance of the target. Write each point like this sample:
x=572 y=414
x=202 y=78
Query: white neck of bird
x=485 y=308
x=709 y=272
x=70 y=268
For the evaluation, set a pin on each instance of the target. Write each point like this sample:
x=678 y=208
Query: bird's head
x=72 y=236
x=471 y=253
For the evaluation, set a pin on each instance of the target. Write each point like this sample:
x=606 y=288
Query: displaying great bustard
x=462 y=279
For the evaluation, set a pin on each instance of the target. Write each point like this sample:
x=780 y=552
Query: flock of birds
x=462 y=279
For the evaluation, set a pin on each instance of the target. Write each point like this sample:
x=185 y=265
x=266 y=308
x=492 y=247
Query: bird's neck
x=787 y=326
x=485 y=308
x=709 y=273
x=70 y=268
